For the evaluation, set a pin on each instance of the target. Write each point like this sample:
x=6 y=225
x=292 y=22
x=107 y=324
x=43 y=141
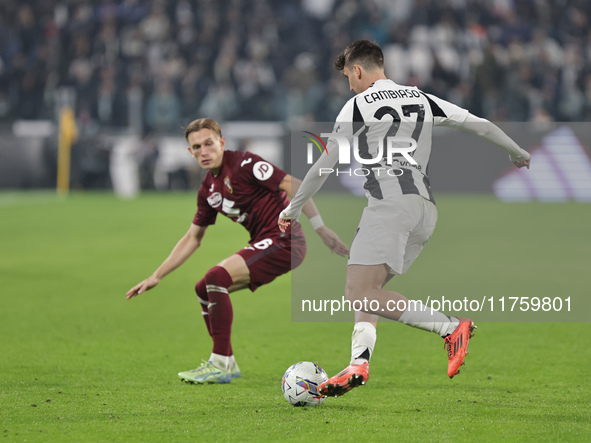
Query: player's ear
x=357 y=70
x=222 y=142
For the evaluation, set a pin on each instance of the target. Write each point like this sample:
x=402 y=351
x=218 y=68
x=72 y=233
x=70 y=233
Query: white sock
x=220 y=361
x=363 y=340
x=233 y=365
x=420 y=316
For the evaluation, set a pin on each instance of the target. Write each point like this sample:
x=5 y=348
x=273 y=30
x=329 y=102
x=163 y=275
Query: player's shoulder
x=232 y=157
x=242 y=155
x=236 y=160
x=441 y=108
x=246 y=163
x=242 y=160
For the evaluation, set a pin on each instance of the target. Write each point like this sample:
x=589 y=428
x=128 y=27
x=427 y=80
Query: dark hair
x=203 y=123
x=362 y=52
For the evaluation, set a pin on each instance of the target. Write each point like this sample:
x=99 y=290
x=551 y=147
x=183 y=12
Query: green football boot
x=235 y=371
x=206 y=373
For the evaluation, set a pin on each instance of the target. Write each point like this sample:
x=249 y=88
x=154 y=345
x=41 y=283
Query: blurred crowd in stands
x=166 y=62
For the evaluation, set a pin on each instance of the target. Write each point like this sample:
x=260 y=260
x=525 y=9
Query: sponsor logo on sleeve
x=262 y=170
x=214 y=199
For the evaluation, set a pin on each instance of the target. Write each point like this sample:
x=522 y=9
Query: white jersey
x=387 y=110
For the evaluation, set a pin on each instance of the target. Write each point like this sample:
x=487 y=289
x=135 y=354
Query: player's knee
x=355 y=292
x=201 y=291
x=351 y=293
x=218 y=276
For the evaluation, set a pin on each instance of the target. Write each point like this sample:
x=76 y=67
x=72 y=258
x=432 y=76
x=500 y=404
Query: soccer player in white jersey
x=401 y=214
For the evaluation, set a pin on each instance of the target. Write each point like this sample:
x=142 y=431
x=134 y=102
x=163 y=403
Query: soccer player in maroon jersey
x=250 y=191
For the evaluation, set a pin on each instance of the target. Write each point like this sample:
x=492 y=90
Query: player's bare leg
x=455 y=331
x=365 y=283
x=228 y=276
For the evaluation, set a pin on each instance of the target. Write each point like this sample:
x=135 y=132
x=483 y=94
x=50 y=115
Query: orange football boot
x=349 y=378
x=457 y=345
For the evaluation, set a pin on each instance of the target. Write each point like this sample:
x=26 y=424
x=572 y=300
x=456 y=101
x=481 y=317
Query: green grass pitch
x=80 y=363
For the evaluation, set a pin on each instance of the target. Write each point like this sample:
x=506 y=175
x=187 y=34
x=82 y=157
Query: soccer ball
x=300 y=384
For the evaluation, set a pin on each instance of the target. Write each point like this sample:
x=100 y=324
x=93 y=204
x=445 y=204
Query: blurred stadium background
x=121 y=78
x=136 y=72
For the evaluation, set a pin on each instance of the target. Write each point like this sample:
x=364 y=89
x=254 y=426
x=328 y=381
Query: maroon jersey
x=245 y=190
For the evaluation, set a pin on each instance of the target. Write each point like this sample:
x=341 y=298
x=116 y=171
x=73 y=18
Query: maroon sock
x=221 y=314
x=200 y=289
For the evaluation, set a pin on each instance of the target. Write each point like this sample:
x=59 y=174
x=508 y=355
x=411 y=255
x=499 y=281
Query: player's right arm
x=185 y=247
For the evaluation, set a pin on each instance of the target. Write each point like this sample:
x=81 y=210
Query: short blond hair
x=203 y=123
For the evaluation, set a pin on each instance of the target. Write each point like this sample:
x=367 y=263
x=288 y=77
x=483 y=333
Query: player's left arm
x=290 y=185
x=448 y=114
x=495 y=135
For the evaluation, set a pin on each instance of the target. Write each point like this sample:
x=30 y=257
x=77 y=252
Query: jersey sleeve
x=261 y=172
x=345 y=125
x=205 y=214
x=446 y=113
x=349 y=120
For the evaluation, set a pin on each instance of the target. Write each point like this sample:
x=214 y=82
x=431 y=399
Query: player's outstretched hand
x=148 y=283
x=521 y=160
x=283 y=224
x=522 y=163
x=284 y=219
x=332 y=240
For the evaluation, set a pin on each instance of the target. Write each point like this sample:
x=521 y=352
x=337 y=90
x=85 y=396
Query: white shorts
x=393 y=232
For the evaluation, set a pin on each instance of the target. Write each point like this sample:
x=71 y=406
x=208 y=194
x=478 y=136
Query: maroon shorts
x=274 y=254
